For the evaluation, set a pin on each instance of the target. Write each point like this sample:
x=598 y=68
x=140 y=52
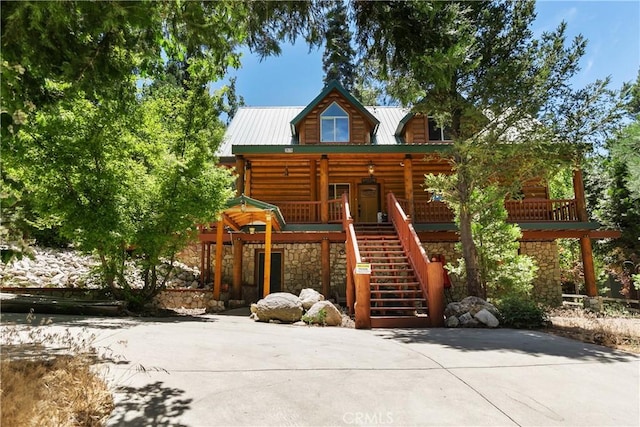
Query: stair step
x=400 y=322
x=407 y=300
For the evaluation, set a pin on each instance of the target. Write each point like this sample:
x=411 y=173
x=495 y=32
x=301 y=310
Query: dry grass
x=47 y=380
x=619 y=332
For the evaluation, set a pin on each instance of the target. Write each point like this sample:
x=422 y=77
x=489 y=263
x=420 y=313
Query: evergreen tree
x=338 y=57
x=504 y=96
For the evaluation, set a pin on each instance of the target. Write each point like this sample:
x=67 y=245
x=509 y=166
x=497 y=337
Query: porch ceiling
x=243 y=211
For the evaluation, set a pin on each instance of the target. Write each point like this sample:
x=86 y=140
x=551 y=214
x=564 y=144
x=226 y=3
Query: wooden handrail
x=430 y=275
x=358 y=284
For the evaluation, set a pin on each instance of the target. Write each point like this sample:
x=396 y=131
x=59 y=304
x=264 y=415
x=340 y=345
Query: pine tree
x=337 y=60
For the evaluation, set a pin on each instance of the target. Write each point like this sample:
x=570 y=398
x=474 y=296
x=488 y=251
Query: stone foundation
x=546 y=287
x=188 y=298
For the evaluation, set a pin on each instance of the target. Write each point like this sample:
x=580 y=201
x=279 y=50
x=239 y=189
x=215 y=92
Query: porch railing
x=542 y=210
x=561 y=210
x=358 y=284
x=308 y=212
x=429 y=274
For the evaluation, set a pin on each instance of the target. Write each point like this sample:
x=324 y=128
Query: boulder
x=485 y=317
x=281 y=306
x=309 y=296
x=451 y=322
x=324 y=313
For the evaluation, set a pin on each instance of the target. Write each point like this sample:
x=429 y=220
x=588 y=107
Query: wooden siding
x=416 y=130
x=359 y=127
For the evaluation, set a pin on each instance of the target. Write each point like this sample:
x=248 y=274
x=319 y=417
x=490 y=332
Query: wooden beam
x=324 y=189
x=230 y=222
x=435 y=297
x=313 y=184
x=218 y=275
x=240 y=172
x=326 y=268
x=267 y=256
x=363 y=301
x=202 y=264
x=408 y=184
x=238 y=246
x=588 y=268
x=247 y=179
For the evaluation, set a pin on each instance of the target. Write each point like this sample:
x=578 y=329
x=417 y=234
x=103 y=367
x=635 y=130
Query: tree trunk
x=469 y=252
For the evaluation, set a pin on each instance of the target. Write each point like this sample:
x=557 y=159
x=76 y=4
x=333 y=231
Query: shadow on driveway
x=535 y=343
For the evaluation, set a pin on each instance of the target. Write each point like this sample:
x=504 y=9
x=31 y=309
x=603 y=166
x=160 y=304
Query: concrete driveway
x=219 y=370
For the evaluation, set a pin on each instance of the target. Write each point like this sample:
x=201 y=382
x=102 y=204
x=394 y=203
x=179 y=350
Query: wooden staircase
x=397 y=300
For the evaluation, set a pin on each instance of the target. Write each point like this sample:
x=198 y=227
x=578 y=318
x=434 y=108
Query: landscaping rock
x=331 y=316
x=309 y=297
x=280 y=306
x=485 y=317
x=471 y=312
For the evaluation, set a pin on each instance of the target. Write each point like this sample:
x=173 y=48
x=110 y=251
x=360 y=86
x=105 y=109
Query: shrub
x=522 y=313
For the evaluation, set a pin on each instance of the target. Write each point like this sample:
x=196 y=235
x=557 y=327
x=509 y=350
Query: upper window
x=436 y=133
x=334 y=124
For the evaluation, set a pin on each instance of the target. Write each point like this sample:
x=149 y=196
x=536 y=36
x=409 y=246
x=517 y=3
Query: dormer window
x=436 y=133
x=334 y=124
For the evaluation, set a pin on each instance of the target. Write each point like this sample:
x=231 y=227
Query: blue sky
x=611 y=27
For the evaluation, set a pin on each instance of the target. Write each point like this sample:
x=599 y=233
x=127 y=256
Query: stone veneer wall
x=546 y=287
x=188 y=298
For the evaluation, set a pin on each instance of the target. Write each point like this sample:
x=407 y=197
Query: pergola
x=241 y=212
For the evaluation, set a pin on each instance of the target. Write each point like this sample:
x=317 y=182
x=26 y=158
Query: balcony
x=434 y=212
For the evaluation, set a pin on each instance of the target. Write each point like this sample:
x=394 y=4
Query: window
x=336 y=190
x=436 y=133
x=334 y=124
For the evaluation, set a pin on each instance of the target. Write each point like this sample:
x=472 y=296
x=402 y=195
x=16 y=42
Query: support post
x=202 y=265
x=363 y=301
x=408 y=184
x=267 y=255
x=313 y=185
x=240 y=178
x=218 y=276
x=326 y=267
x=238 y=245
x=351 y=293
x=435 y=293
x=585 y=241
x=324 y=189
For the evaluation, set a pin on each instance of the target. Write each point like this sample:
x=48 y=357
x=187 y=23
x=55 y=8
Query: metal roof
x=271 y=126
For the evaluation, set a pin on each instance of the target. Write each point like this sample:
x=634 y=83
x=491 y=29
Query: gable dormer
x=418 y=128
x=334 y=117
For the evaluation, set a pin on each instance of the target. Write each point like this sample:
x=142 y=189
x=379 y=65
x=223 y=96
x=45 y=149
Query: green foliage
x=503 y=272
x=319 y=319
x=338 y=57
x=476 y=68
x=522 y=313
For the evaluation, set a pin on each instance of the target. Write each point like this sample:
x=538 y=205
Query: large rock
x=281 y=306
x=323 y=313
x=471 y=312
x=485 y=317
x=309 y=297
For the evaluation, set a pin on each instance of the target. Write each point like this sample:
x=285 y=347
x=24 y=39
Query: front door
x=368 y=202
x=276 y=273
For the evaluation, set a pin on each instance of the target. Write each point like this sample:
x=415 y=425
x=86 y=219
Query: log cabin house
x=329 y=196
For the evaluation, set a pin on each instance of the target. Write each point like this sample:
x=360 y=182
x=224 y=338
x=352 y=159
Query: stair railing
x=429 y=274
x=358 y=283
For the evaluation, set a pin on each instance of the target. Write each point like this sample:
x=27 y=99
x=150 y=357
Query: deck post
x=326 y=267
x=240 y=172
x=267 y=255
x=238 y=245
x=218 y=276
x=435 y=297
x=363 y=301
x=313 y=185
x=324 y=189
x=585 y=241
x=408 y=184
x=351 y=293
x=202 y=265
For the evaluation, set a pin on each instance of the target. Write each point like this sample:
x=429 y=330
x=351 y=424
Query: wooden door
x=276 y=272
x=368 y=202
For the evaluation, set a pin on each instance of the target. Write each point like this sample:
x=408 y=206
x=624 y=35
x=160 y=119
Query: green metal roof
x=237 y=201
x=334 y=85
